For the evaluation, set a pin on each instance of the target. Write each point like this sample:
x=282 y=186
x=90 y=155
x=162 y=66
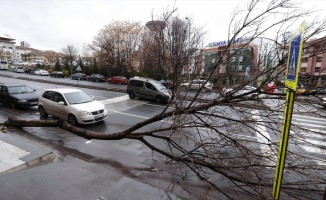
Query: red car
x=118 y=79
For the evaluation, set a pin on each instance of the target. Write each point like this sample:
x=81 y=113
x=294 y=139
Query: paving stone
x=127 y=189
x=35 y=191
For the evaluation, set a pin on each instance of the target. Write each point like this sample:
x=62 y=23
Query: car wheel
x=71 y=78
x=131 y=95
x=183 y=88
x=87 y=79
x=119 y=83
x=96 y=80
x=159 y=99
x=109 y=82
x=42 y=112
x=72 y=120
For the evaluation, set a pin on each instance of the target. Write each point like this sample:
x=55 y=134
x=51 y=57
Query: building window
x=209 y=60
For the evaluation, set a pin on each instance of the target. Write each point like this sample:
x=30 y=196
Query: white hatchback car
x=43 y=73
x=196 y=84
x=73 y=105
x=243 y=90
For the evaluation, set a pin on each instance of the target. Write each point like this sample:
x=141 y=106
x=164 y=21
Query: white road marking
x=128 y=114
x=263 y=136
x=115 y=99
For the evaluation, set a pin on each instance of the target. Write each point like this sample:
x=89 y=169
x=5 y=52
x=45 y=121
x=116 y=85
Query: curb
x=46 y=157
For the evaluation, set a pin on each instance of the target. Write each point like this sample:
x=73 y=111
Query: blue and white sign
x=293 y=58
x=225 y=42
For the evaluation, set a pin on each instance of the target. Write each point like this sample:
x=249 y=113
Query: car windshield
x=19 y=89
x=78 y=97
x=158 y=85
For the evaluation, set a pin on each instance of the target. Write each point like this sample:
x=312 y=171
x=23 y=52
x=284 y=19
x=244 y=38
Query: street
x=135 y=157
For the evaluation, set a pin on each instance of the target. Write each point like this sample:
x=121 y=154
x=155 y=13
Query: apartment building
x=7 y=49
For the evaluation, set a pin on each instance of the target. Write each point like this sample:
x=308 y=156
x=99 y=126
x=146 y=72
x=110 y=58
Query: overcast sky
x=54 y=24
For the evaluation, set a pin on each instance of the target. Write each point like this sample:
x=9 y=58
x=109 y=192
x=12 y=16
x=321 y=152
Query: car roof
x=12 y=84
x=63 y=90
x=142 y=78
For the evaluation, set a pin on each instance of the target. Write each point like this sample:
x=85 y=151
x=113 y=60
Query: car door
x=59 y=110
x=194 y=85
x=48 y=103
x=4 y=95
x=149 y=91
x=139 y=89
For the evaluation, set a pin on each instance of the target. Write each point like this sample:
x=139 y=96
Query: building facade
x=244 y=58
x=7 y=49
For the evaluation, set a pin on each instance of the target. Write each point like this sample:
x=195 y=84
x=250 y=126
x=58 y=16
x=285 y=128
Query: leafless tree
x=225 y=138
x=116 y=46
x=70 y=54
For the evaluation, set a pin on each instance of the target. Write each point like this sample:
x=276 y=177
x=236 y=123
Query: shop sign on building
x=225 y=42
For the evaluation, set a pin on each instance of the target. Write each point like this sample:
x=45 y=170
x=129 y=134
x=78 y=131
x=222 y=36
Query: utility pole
x=189 y=60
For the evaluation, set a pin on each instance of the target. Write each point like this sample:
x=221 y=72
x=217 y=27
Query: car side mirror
x=34 y=90
x=61 y=103
x=92 y=97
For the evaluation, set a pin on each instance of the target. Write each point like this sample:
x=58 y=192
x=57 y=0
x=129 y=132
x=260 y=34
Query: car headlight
x=84 y=113
x=167 y=94
x=20 y=101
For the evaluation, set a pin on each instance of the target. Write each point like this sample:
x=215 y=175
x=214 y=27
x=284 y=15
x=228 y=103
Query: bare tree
x=70 y=54
x=224 y=137
x=116 y=46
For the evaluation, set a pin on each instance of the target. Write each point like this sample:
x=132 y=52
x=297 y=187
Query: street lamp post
x=188 y=49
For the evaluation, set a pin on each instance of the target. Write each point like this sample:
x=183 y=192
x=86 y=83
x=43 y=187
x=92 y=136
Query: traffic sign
x=291 y=82
x=294 y=57
x=78 y=68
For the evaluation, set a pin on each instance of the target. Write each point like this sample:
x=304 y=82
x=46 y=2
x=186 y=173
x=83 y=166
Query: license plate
x=99 y=116
x=33 y=103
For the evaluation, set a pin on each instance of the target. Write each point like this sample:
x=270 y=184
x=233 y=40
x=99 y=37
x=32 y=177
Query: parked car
x=96 y=77
x=196 y=84
x=78 y=76
x=41 y=72
x=18 y=95
x=29 y=71
x=73 y=105
x=118 y=79
x=167 y=83
x=148 y=89
x=18 y=69
x=243 y=90
x=57 y=74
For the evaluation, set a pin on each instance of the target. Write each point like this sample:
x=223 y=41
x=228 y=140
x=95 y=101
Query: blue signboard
x=293 y=58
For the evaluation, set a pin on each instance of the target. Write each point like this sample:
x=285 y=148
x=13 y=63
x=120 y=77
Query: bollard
x=324 y=197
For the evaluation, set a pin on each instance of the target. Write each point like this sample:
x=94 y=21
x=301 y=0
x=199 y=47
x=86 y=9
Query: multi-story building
x=33 y=57
x=244 y=58
x=22 y=50
x=25 y=44
x=7 y=49
x=313 y=62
